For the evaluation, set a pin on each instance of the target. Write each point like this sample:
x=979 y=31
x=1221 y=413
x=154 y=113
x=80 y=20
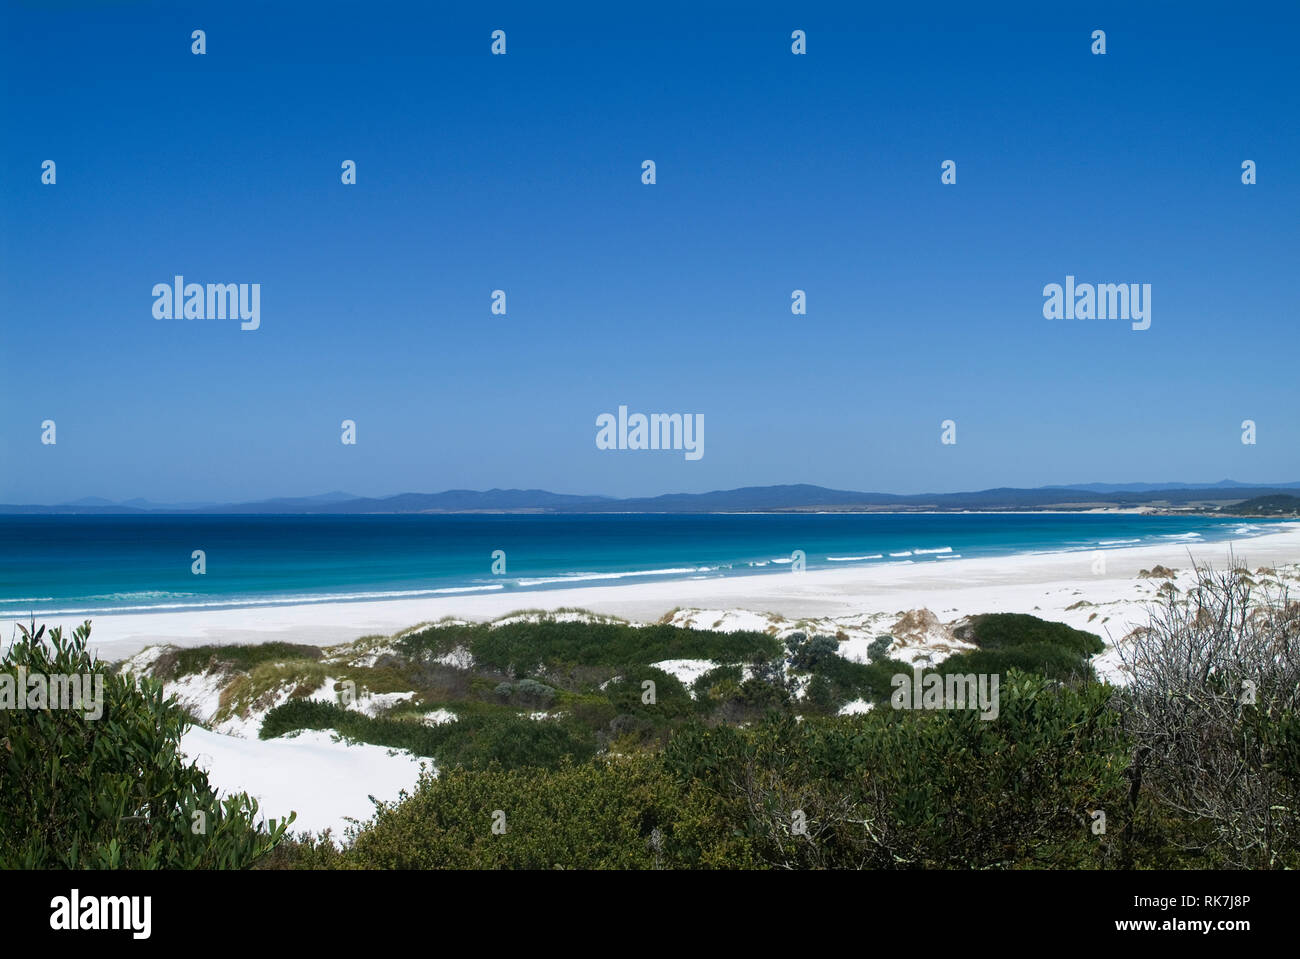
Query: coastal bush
x=594 y=712
x=436 y=640
x=475 y=740
x=1214 y=705
x=620 y=813
x=820 y=695
x=942 y=789
x=197 y=659
x=705 y=682
x=521 y=646
x=305 y=851
x=1186 y=772
x=851 y=680
x=729 y=696
x=513 y=743
x=1010 y=641
x=672 y=701
x=267 y=682
x=806 y=655
x=109 y=791
x=879 y=647
x=1007 y=630
x=763 y=693
x=1045 y=659
x=527 y=692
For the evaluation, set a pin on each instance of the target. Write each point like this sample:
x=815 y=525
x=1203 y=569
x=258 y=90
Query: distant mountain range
x=798 y=497
x=1147 y=487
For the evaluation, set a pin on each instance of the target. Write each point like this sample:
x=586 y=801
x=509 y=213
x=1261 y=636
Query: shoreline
x=1040 y=583
x=546 y=582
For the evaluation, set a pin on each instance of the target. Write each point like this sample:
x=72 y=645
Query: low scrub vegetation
x=112 y=790
x=753 y=769
x=576 y=745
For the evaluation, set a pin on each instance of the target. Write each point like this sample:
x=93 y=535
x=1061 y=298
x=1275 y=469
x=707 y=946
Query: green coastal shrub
x=528 y=693
x=623 y=813
x=888 y=789
x=475 y=740
x=520 y=648
x=921 y=789
x=671 y=701
x=704 y=683
x=112 y=791
x=879 y=647
x=851 y=680
x=1009 y=641
x=196 y=659
x=806 y=655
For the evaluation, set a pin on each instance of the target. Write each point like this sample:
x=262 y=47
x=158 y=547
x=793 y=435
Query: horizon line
x=338 y=497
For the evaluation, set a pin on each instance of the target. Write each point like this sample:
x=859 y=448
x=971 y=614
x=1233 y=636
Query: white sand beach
x=329 y=782
x=1052 y=585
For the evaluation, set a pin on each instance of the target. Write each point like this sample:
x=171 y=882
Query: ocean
x=68 y=565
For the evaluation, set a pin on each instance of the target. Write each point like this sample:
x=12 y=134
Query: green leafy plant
x=113 y=791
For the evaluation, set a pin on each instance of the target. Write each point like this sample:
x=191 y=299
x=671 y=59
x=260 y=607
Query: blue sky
x=775 y=172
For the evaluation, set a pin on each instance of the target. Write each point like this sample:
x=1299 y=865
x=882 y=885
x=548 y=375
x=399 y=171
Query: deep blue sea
x=75 y=564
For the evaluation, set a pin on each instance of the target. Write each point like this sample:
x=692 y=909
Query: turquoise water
x=75 y=564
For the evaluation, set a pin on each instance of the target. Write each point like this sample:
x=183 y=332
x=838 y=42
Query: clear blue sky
x=775 y=172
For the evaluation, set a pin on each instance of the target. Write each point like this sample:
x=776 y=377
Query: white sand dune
x=325 y=782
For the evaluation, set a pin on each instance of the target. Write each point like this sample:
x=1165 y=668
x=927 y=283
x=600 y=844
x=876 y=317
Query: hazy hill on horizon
x=788 y=497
